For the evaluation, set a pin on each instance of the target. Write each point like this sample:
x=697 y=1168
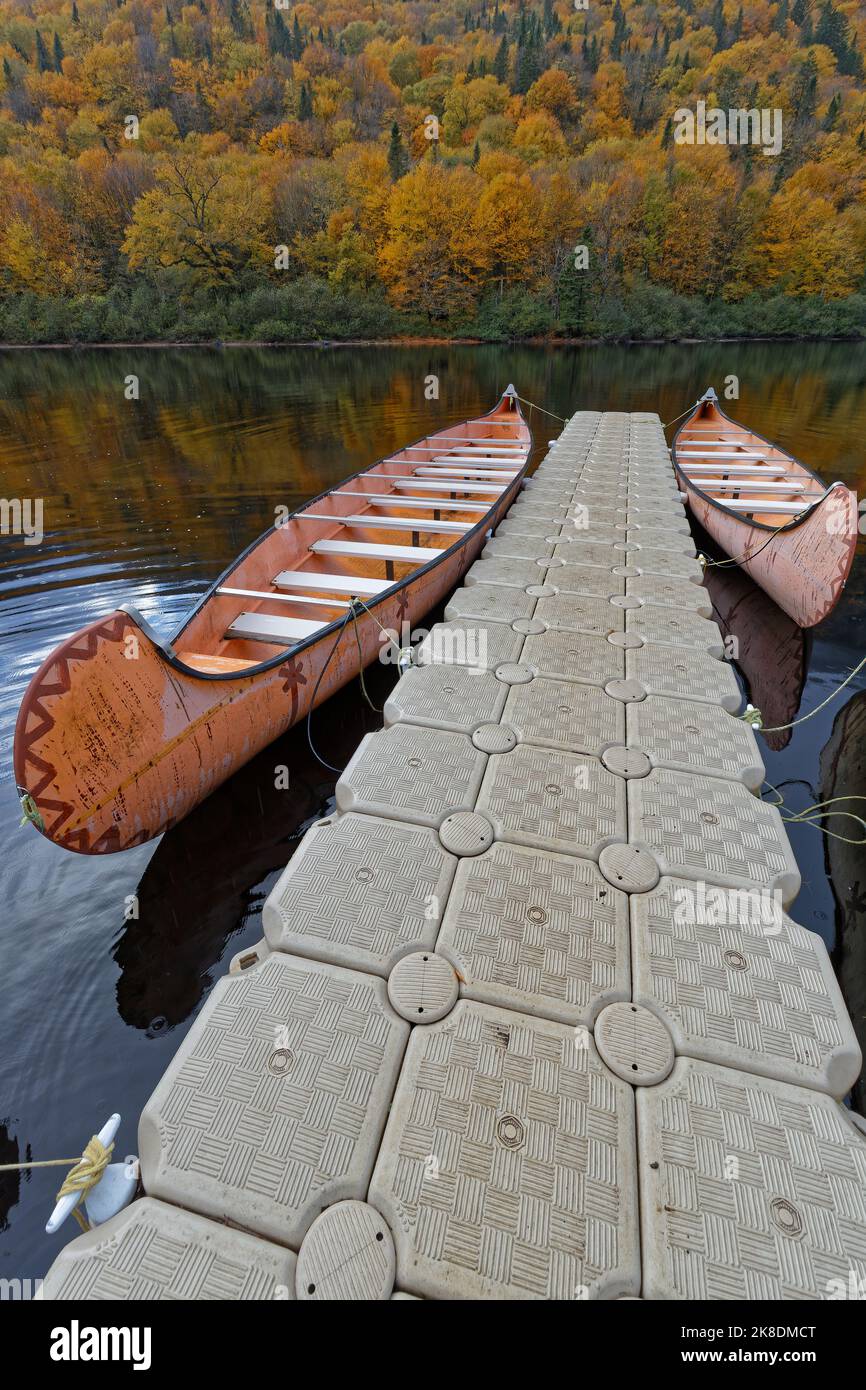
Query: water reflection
x=843 y=773
x=213 y=871
x=145 y=502
x=770 y=650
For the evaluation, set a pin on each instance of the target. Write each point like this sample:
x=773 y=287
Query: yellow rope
x=745 y=558
x=811 y=815
x=535 y=406
x=752 y=716
x=687 y=411
x=84 y=1174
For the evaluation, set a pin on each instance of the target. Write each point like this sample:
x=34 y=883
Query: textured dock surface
x=531 y=1019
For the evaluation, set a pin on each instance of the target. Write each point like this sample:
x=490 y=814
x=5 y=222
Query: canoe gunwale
x=165 y=646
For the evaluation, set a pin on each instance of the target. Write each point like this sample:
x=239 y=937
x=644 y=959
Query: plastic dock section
x=530 y=1019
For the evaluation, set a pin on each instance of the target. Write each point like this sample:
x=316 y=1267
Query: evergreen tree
x=500 y=62
x=717 y=23
x=398 y=163
x=305 y=103
x=239 y=19
x=58 y=53
x=476 y=154
x=804 y=92
x=832 y=112
x=668 y=134
x=833 y=30
x=573 y=291
x=621 y=32
x=551 y=21
x=279 y=40
x=527 y=67
x=75 y=19
x=43 y=62
x=800 y=12
x=7 y=74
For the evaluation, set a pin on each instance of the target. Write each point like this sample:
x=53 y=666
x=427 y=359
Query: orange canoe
x=772 y=514
x=121 y=733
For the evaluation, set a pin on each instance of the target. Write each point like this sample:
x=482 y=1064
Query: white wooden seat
x=739 y=454
x=396 y=523
x=447 y=485
x=475 y=458
x=476 y=451
x=746 y=485
x=287 y=598
x=431 y=503
x=366 y=550
x=737 y=470
x=478 y=439
x=329 y=583
x=467 y=472
x=262 y=627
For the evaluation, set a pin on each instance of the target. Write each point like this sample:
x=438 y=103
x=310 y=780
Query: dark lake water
x=145 y=502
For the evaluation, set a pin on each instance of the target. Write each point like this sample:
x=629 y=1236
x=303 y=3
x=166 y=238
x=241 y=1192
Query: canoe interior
x=496 y=446
x=737 y=455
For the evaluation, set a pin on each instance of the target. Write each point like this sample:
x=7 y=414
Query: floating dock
x=530 y=1019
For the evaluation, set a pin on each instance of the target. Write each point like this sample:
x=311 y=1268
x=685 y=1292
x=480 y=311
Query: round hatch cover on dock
x=626 y=762
x=631 y=869
x=495 y=738
x=634 y=1043
x=624 y=639
x=626 y=601
x=514 y=673
x=530 y=627
x=346 y=1255
x=423 y=987
x=627 y=690
x=541 y=590
x=466 y=833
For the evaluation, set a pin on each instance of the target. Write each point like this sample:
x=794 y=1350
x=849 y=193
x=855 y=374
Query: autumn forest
x=242 y=169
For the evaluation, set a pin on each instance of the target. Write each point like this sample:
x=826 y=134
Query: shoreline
x=322 y=343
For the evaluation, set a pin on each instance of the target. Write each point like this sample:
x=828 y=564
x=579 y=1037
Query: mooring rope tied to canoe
x=315 y=753
x=533 y=405
x=745 y=559
x=752 y=716
x=351 y=613
x=811 y=815
x=85 y=1172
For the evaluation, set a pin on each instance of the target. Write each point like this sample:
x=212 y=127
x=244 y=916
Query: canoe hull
x=115 y=745
x=120 y=734
x=796 y=539
x=804 y=569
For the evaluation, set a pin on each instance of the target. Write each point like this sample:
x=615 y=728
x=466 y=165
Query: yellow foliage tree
x=207 y=215
x=433 y=257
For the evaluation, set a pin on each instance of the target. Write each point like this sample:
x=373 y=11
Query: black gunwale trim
x=166 y=647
